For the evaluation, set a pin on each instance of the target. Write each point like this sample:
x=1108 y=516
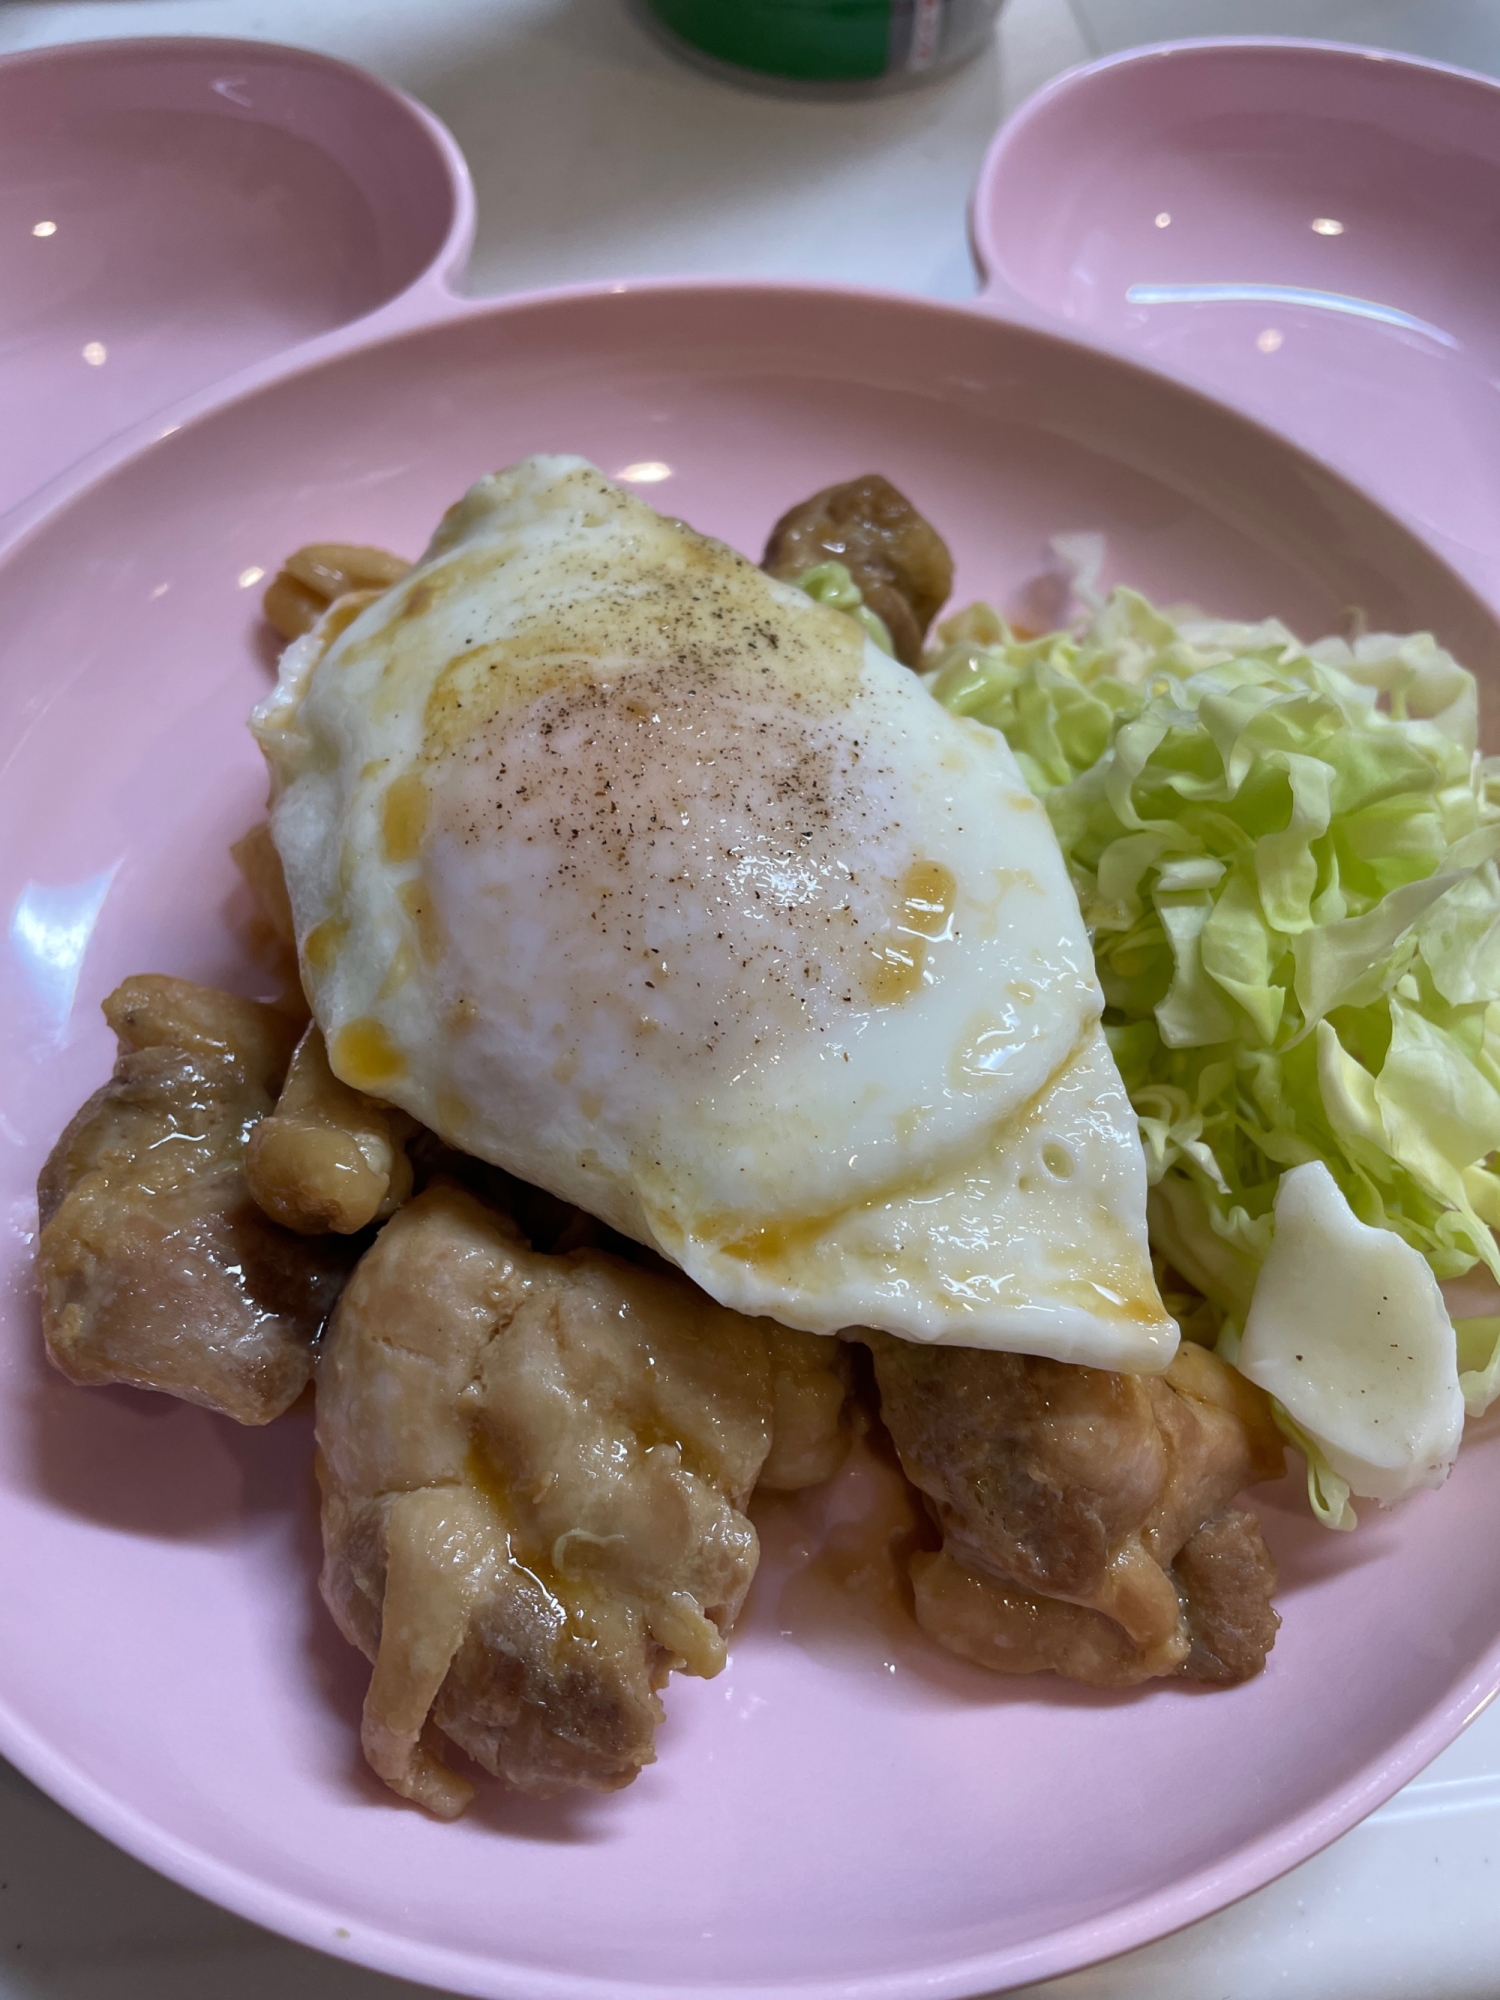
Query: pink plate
x=844 y=1813
x=172 y=211
x=1310 y=230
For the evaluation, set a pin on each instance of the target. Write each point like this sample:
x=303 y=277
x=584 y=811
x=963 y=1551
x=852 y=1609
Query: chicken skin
x=323 y=574
x=155 y=1267
x=534 y=1471
x=1085 y=1518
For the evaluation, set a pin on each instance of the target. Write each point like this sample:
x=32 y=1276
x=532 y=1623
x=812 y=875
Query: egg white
x=629 y=868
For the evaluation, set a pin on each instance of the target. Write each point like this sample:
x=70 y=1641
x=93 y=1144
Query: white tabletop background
x=596 y=154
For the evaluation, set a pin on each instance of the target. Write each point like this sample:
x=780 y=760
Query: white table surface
x=595 y=154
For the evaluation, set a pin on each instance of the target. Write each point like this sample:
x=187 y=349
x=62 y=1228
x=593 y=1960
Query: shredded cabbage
x=830 y=583
x=1286 y=857
x=1327 y=1494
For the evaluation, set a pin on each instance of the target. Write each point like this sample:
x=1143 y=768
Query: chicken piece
x=1083 y=1512
x=1226 y=1576
x=534 y=1470
x=328 y=1157
x=257 y=860
x=900 y=563
x=319 y=575
x=155 y=1267
x=812 y=1378
x=545 y=1221
x=271 y=933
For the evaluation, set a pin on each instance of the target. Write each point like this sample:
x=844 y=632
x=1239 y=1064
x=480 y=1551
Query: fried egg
x=626 y=867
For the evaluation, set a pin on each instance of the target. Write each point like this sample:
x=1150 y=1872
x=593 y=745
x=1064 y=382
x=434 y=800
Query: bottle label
x=923 y=37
